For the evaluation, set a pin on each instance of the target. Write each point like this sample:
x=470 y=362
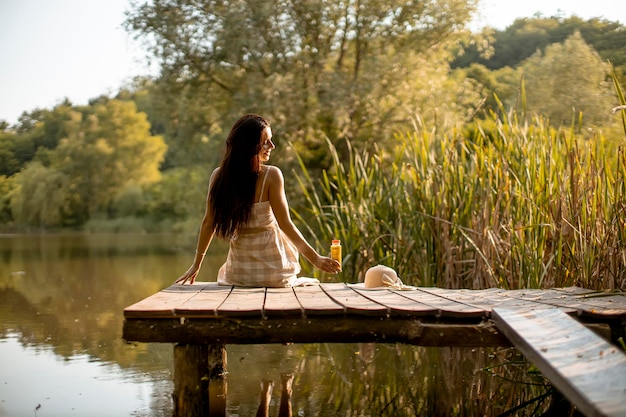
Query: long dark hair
x=232 y=192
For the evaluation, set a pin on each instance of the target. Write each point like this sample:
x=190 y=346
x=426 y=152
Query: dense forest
x=341 y=84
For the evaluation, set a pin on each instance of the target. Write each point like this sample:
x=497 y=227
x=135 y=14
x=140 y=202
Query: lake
x=61 y=352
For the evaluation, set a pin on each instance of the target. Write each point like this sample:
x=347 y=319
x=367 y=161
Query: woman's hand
x=190 y=275
x=326 y=264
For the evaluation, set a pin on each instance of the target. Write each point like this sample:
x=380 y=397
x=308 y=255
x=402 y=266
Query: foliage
x=622 y=102
x=179 y=197
x=563 y=82
x=345 y=70
x=524 y=206
x=40 y=196
x=569 y=80
x=485 y=196
x=528 y=35
x=107 y=148
x=502 y=82
x=179 y=114
x=6 y=188
x=9 y=164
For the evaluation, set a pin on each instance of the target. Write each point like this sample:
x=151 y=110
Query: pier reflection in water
x=61 y=352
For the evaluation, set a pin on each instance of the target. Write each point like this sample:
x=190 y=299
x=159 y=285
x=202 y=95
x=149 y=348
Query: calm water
x=61 y=352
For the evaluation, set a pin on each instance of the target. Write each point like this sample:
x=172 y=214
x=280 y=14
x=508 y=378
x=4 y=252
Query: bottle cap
x=336 y=242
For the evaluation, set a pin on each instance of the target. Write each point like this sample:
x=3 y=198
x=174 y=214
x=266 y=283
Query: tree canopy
x=341 y=69
x=353 y=72
x=526 y=36
x=568 y=79
x=105 y=147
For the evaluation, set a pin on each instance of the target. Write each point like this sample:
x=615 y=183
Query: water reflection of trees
x=92 y=334
x=69 y=293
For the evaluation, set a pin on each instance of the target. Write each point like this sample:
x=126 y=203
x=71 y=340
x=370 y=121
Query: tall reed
x=511 y=204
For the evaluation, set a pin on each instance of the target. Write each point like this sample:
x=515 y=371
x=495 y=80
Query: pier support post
x=199 y=380
x=217 y=361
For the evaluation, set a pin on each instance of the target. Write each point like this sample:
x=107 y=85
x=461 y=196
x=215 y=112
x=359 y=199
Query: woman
x=246 y=204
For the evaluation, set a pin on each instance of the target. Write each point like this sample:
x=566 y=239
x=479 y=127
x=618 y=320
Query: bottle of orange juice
x=335 y=250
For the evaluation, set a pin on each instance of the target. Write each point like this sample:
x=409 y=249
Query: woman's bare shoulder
x=274 y=177
x=274 y=171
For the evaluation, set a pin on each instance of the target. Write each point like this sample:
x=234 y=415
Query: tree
x=9 y=164
x=35 y=133
x=180 y=115
x=108 y=146
x=354 y=69
x=6 y=189
x=568 y=79
x=39 y=197
x=502 y=83
x=168 y=200
x=528 y=35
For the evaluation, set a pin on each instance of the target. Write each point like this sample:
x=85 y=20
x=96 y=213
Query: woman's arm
x=280 y=207
x=204 y=240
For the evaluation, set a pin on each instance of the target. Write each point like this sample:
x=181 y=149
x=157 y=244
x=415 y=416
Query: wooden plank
x=540 y=295
x=317 y=329
x=589 y=371
x=564 y=300
x=243 y=301
x=574 y=290
x=164 y=302
x=206 y=302
x=549 y=293
x=445 y=306
x=315 y=301
x=611 y=305
x=586 y=303
x=496 y=298
x=203 y=299
x=353 y=302
x=505 y=300
x=397 y=303
x=281 y=302
x=478 y=299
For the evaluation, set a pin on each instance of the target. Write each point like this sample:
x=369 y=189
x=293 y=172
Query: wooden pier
x=204 y=317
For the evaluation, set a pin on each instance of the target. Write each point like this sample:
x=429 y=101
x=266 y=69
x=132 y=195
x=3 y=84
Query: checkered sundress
x=260 y=255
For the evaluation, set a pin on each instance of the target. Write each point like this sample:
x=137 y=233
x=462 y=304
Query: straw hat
x=383 y=276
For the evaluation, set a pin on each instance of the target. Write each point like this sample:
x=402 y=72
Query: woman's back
x=260 y=255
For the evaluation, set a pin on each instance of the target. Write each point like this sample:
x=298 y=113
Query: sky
x=78 y=49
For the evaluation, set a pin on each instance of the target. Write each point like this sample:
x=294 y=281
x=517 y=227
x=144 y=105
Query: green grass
x=508 y=203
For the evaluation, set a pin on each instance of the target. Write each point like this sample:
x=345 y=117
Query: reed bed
x=511 y=204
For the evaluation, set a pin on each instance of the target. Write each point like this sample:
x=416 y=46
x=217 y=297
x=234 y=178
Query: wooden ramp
x=589 y=371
